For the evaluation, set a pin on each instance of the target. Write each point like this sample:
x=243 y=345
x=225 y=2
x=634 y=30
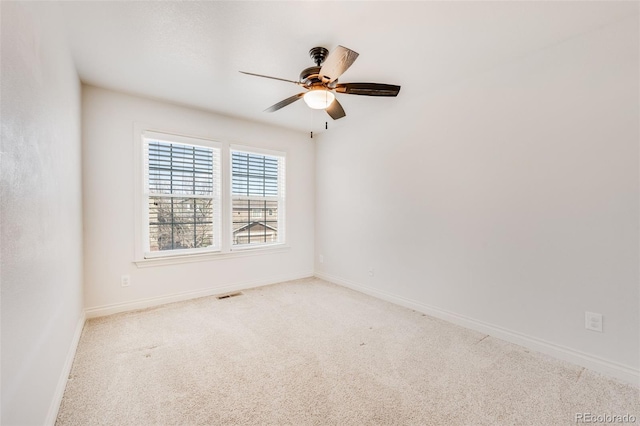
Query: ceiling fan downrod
x=318 y=54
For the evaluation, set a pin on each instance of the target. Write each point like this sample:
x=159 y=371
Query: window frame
x=217 y=195
x=225 y=222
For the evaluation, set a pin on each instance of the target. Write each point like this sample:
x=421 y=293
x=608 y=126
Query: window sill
x=205 y=257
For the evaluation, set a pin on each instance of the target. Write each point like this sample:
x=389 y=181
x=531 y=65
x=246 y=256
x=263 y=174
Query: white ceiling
x=190 y=52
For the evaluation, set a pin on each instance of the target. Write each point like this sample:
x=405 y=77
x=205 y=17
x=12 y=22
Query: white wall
x=509 y=200
x=109 y=193
x=41 y=228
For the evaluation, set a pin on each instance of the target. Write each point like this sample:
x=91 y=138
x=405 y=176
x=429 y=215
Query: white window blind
x=182 y=195
x=258 y=194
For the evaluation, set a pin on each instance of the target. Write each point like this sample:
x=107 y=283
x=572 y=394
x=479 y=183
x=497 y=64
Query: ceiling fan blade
x=368 y=89
x=337 y=63
x=284 y=103
x=335 y=110
x=272 y=78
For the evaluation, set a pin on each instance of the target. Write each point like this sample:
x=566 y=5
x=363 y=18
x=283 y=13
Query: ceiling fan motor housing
x=310 y=76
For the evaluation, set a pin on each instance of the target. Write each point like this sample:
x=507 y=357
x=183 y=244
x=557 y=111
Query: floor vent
x=226 y=296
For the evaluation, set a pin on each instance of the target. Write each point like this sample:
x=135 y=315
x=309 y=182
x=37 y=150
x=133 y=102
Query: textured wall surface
x=510 y=198
x=41 y=216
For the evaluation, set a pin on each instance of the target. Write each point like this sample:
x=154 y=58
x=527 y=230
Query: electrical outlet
x=593 y=321
x=321 y=259
x=125 y=280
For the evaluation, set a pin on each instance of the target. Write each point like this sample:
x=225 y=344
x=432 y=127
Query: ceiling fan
x=321 y=82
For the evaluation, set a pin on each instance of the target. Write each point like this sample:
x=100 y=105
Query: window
x=182 y=195
x=183 y=209
x=257 y=189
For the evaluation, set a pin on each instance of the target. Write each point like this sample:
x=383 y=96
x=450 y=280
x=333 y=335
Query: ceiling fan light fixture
x=319 y=98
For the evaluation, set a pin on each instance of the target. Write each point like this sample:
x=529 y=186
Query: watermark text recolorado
x=605 y=418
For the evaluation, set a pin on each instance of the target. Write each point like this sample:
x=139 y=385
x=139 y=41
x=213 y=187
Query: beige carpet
x=309 y=352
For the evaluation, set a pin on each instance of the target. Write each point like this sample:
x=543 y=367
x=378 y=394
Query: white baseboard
x=100 y=311
x=52 y=415
x=612 y=369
